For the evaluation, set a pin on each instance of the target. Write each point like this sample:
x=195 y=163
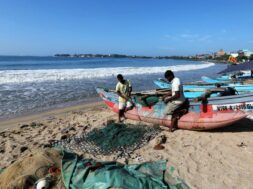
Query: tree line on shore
x=223 y=58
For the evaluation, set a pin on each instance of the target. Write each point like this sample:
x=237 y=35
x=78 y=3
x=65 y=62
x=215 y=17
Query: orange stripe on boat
x=206 y=110
x=147 y=109
x=109 y=103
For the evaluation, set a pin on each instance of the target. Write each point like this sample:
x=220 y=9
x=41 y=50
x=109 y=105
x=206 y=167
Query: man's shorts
x=170 y=108
x=123 y=105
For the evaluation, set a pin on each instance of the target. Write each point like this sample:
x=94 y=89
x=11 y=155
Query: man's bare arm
x=121 y=95
x=174 y=97
x=166 y=95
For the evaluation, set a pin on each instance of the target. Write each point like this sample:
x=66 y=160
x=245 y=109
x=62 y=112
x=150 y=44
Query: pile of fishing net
x=26 y=172
x=114 y=138
x=76 y=172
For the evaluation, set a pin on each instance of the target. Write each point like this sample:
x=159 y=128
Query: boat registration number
x=238 y=106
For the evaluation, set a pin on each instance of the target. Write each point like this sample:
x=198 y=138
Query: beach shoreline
x=15 y=121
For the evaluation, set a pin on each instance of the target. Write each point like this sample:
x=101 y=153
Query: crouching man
x=174 y=99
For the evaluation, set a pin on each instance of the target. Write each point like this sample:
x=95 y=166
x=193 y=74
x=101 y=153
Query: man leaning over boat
x=123 y=89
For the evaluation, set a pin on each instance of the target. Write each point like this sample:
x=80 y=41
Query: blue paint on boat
x=190 y=93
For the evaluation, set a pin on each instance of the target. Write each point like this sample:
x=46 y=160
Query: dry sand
x=221 y=158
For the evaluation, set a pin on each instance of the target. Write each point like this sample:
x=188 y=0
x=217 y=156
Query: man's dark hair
x=120 y=77
x=168 y=73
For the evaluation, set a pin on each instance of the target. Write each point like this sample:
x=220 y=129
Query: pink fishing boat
x=199 y=117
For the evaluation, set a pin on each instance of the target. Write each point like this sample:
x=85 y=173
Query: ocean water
x=34 y=84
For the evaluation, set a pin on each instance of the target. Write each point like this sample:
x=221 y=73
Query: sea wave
x=23 y=76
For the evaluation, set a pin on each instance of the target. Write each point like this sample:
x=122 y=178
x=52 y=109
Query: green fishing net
x=120 y=139
x=146 y=100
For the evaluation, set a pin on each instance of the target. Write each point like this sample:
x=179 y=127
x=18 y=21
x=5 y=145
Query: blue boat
x=161 y=83
x=239 y=76
x=238 y=72
x=230 y=83
x=195 y=90
x=209 y=80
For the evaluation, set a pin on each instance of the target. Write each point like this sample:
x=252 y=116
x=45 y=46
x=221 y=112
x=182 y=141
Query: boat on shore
x=196 y=90
x=199 y=117
x=209 y=80
x=239 y=75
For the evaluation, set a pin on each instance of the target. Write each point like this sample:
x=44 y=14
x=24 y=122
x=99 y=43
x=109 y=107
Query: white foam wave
x=21 y=76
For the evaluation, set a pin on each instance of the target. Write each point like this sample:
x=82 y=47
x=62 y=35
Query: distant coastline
x=101 y=56
x=190 y=58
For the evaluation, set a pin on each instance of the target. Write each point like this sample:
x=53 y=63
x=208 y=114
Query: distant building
x=245 y=52
x=220 y=53
x=233 y=54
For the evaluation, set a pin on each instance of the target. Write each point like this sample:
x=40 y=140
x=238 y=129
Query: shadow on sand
x=244 y=125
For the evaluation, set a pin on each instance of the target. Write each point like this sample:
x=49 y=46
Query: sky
x=132 y=27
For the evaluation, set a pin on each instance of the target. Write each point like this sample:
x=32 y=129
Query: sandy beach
x=214 y=159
